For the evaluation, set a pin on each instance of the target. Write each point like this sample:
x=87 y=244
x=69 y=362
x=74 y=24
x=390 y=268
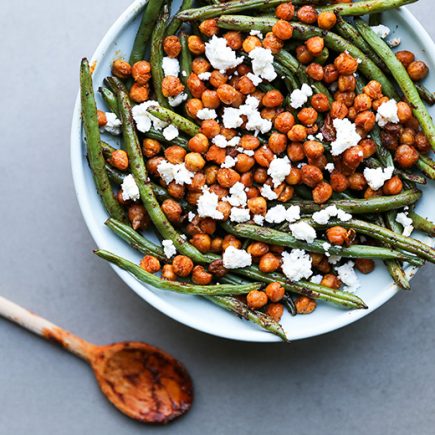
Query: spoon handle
x=44 y=328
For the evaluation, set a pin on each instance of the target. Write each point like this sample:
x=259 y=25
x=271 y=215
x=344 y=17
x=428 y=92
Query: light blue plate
x=376 y=289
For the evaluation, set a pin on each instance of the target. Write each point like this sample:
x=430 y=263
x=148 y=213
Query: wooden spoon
x=142 y=381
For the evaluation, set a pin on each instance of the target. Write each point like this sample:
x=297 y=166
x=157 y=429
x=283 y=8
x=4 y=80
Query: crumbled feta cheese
x=220 y=55
x=247 y=152
x=376 y=177
x=276 y=215
x=231 y=118
x=262 y=63
x=334 y=259
x=229 y=162
x=207 y=205
x=394 y=42
x=316 y=279
x=170 y=132
x=406 y=222
x=144 y=120
x=170 y=66
x=113 y=125
x=319 y=136
x=326 y=246
x=129 y=189
x=387 y=112
x=258 y=219
x=176 y=101
x=348 y=276
x=170 y=172
x=293 y=214
x=330 y=167
x=267 y=192
x=205 y=76
x=278 y=169
x=303 y=231
x=191 y=216
x=220 y=141
x=296 y=265
x=254 y=79
x=322 y=217
x=254 y=120
x=343 y=216
x=184 y=73
x=239 y=215
x=300 y=96
x=236 y=258
x=381 y=30
x=169 y=248
x=256 y=33
x=237 y=196
x=347 y=136
x=206 y=114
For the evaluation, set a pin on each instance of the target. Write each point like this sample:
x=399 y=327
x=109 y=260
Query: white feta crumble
x=254 y=79
x=387 y=112
x=326 y=246
x=205 y=76
x=343 y=216
x=278 y=169
x=170 y=66
x=249 y=153
x=239 y=215
x=207 y=205
x=256 y=33
x=376 y=177
x=231 y=118
x=144 y=120
x=316 y=279
x=258 y=220
x=255 y=121
x=129 y=189
x=381 y=30
x=220 y=55
x=237 y=196
x=346 y=137
x=330 y=167
x=293 y=214
x=170 y=132
x=170 y=172
x=300 y=96
x=169 y=248
x=229 y=162
x=348 y=277
x=221 y=142
x=236 y=258
x=113 y=125
x=296 y=265
x=394 y=42
x=206 y=113
x=176 y=101
x=334 y=259
x=262 y=63
x=406 y=222
x=319 y=136
x=276 y=215
x=303 y=231
x=191 y=216
x=267 y=192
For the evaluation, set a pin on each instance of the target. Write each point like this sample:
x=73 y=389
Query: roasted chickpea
x=295 y=152
x=172 y=86
x=308 y=116
x=285 y=11
x=196 y=45
x=274 y=291
x=368 y=147
x=227 y=177
x=138 y=217
x=339 y=236
x=209 y=27
x=258 y=249
x=273 y=43
x=407 y=137
x=119 y=160
x=102 y=118
x=303 y=55
x=200 y=65
x=346 y=83
x=245 y=85
x=269 y=263
x=366 y=120
x=275 y=311
x=307 y=14
x=277 y=142
x=228 y=94
x=406 y=57
x=338 y=110
x=346 y=64
x=194 y=162
x=422 y=143
x=417 y=70
x=269 y=113
x=210 y=99
x=282 y=29
x=152 y=165
x=217 y=268
x=260 y=175
x=257 y=205
x=225 y=208
x=121 y=69
x=404 y=112
x=357 y=181
x=326 y=20
x=320 y=102
x=313 y=149
x=150 y=264
x=256 y=299
x=151 y=147
x=215 y=154
x=172 y=46
x=230 y=240
x=263 y=156
x=234 y=40
x=172 y=210
x=192 y=198
x=393 y=186
x=339 y=181
x=315 y=71
x=200 y=276
x=330 y=74
x=330 y=280
x=141 y=72
x=362 y=102
x=250 y=43
x=272 y=98
x=378 y=103
x=294 y=177
x=217 y=79
x=353 y=156
x=193 y=106
x=315 y=45
x=202 y=242
x=364 y=265
x=177 y=191
x=216 y=245
x=370 y=193
x=322 y=192
x=284 y=122
x=138 y=93
x=373 y=89
x=311 y=175
x=195 y=85
x=244 y=163
x=406 y=156
x=182 y=266
x=168 y=273
x=305 y=305
x=175 y=154
x=247 y=179
x=346 y=98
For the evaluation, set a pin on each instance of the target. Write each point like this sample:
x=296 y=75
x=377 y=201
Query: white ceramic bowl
x=377 y=288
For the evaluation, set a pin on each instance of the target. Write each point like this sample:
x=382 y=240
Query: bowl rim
x=146 y=293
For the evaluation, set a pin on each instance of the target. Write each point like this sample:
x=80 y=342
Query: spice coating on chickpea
x=150 y=264
x=305 y=305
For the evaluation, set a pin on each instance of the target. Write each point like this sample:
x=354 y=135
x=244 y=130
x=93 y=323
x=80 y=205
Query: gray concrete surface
x=376 y=376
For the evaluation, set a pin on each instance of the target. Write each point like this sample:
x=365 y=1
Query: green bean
x=149 y=17
x=240 y=309
x=230 y=7
x=304 y=31
x=289 y=79
x=115 y=176
x=425 y=168
x=289 y=303
x=157 y=56
x=93 y=139
x=426 y=95
x=402 y=78
x=185 y=62
x=157 y=135
x=280 y=238
x=364 y=7
x=173 y=118
x=376 y=204
x=176 y=23
x=375 y=19
x=323 y=57
x=110 y=100
x=178 y=287
x=422 y=224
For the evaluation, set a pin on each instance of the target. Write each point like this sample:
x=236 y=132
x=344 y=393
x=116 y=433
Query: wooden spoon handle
x=44 y=328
